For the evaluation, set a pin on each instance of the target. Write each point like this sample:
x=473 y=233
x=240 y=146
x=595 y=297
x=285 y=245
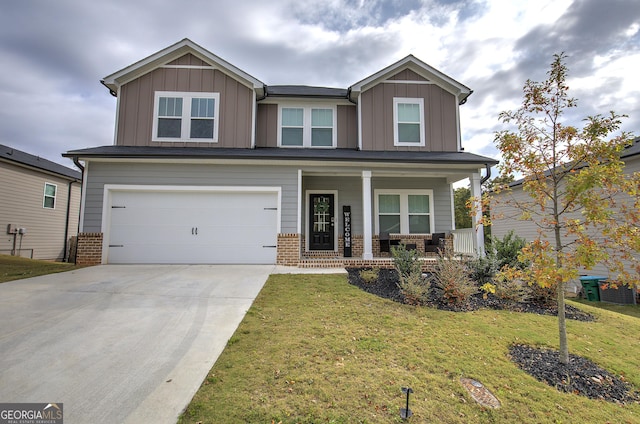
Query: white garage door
x=192 y=227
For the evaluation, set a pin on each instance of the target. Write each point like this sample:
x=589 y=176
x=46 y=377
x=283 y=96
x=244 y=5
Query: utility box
x=12 y=229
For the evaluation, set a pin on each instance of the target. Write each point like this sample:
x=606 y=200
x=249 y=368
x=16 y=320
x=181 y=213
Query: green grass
x=314 y=349
x=631 y=310
x=16 y=268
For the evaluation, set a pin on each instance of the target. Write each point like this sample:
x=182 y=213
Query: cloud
x=54 y=54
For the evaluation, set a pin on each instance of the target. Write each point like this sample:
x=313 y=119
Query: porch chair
x=435 y=244
x=385 y=246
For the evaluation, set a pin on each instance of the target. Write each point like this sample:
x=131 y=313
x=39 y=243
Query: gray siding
x=189 y=175
x=439 y=109
x=135 y=114
x=22 y=192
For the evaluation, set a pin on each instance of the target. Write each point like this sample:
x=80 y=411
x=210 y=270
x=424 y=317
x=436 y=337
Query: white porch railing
x=464 y=241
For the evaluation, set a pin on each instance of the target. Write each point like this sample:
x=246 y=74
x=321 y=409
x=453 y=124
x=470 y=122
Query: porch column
x=366 y=218
x=476 y=193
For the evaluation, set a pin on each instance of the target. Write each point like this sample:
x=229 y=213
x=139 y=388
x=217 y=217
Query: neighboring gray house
x=211 y=165
x=40 y=205
x=527 y=229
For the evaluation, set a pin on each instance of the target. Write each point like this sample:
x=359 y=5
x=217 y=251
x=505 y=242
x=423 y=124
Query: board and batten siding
x=267 y=126
x=166 y=174
x=22 y=194
x=136 y=103
x=440 y=108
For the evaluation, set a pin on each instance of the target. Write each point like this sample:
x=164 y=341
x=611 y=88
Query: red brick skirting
x=89 y=249
x=288 y=249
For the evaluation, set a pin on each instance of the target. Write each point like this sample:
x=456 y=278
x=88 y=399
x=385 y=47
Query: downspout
x=486 y=177
x=65 y=257
x=76 y=161
x=264 y=96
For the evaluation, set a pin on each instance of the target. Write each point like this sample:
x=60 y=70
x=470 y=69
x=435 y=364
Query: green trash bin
x=590 y=285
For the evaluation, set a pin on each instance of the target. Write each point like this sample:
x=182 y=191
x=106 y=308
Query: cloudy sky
x=53 y=54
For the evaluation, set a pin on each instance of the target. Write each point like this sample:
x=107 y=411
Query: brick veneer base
x=288 y=253
x=89 y=249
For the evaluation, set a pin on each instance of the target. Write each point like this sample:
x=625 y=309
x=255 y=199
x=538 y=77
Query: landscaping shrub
x=369 y=276
x=506 y=251
x=510 y=290
x=452 y=280
x=413 y=286
x=484 y=269
x=543 y=296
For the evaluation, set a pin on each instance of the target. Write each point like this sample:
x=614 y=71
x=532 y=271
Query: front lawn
x=16 y=268
x=314 y=349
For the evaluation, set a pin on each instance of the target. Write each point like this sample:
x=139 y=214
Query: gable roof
x=460 y=90
x=10 y=154
x=173 y=52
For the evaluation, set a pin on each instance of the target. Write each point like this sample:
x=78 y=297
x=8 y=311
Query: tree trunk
x=562 y=326
x=562 y=323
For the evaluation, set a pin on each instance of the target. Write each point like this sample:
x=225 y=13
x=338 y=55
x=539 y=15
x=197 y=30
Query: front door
x=321 y=223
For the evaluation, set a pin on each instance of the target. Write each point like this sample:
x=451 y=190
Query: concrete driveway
x=120 y=343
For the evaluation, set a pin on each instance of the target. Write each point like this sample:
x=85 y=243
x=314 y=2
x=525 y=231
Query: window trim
x=185 y=131
x=45 y=195
x=411 y=100
x=307 y=126
x=404 y=208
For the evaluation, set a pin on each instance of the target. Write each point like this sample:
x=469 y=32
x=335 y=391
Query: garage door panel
x=193 y=227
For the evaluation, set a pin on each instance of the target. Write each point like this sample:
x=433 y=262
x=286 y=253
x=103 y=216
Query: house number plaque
x=346 y=213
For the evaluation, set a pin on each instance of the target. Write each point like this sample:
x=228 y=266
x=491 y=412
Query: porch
x=462 y=241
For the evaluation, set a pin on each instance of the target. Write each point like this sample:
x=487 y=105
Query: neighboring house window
x=49 y=201
x=404 y=211
x=186 y=116
x=408 y=121
x=306 y=126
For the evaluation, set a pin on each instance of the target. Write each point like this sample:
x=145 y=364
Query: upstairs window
x=186 y=116
x=408 y=121
x=306 y=126
x=49 y=200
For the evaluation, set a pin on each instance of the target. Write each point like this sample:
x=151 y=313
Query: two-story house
x=211 y=165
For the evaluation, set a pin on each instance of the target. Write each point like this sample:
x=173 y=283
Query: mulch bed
x=580 y=376
x=386 y=287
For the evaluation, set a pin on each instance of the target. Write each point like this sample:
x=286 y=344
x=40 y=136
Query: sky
x=53 y=54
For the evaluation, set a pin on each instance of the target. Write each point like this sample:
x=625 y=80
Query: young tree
x=576 y=189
